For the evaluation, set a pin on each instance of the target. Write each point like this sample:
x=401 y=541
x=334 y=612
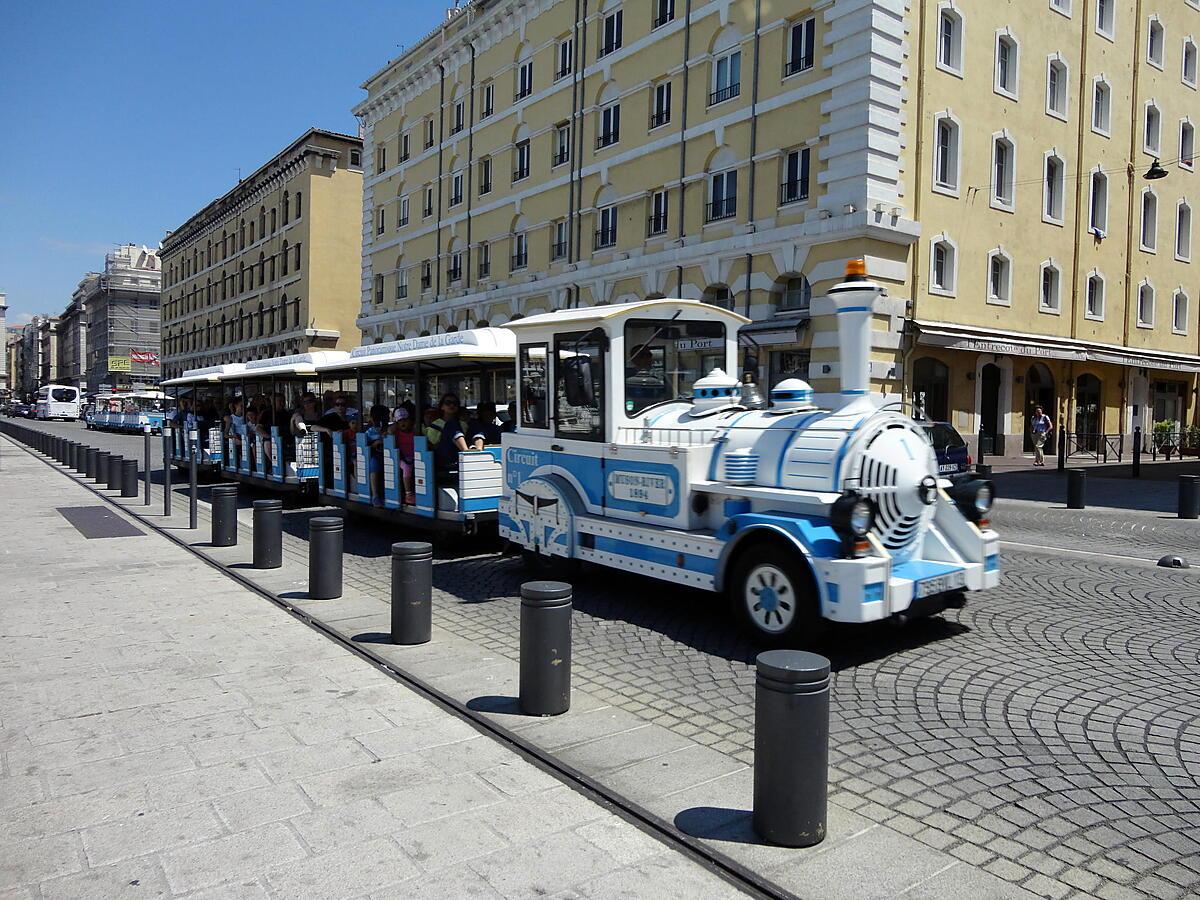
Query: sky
x=119 y=121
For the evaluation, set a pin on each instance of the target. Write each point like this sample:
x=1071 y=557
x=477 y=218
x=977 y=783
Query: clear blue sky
x=118 y=121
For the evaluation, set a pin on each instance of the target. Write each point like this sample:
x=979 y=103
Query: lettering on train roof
x=295 y=359
x=448 y=339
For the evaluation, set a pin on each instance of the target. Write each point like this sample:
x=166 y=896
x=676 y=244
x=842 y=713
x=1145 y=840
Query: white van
x=58 y=401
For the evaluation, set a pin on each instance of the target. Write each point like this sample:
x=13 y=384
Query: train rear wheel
x=774 y=596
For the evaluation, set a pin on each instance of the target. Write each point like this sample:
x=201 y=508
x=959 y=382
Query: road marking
x=1080 y=552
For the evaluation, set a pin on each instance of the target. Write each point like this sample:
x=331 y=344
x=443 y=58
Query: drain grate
x=97 y=522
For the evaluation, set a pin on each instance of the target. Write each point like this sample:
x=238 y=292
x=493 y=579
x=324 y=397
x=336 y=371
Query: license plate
x=939 y=584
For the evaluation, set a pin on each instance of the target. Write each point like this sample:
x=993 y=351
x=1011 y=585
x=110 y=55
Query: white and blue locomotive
x=797 y=512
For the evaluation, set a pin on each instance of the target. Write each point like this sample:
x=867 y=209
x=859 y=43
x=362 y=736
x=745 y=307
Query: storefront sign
x=120 y=364
x=1012 y=348
x=700 y=344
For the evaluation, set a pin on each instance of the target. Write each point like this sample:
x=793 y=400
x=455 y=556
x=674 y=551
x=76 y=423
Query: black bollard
x=412 y=592
x=75 y=455
x=325 y=558
x=69 y=454
x=102 y=466
x=193 y=488
x=983 y=471
x=1137 y=452
x=268 y=534
x=114 y=473
x=1189 y=496
x=129 y=478
x=1076 y=488
x=146 y=463
x=545 y=679
x=91 y=463
x=791 y=747
x=224 y=515
x=166 y=470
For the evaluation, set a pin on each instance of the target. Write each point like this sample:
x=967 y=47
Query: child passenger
x=402 y=430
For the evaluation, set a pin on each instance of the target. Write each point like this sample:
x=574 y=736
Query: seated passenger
x=402 y=430
x=483 y=428
x=376 y=431
x=511 y=425
x=445 y=435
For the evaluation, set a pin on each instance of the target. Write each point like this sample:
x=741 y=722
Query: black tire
x=791 y=615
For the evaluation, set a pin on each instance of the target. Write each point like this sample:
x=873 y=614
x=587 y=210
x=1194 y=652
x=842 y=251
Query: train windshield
x=665 y=357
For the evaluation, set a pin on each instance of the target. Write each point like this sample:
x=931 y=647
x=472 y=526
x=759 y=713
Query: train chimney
x=854 y=300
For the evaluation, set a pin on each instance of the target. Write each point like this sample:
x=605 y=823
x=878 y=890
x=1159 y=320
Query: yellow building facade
x=272 y=267
x=986 y=159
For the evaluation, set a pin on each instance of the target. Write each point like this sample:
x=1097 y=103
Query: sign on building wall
x=120 y=364
x=146 y=357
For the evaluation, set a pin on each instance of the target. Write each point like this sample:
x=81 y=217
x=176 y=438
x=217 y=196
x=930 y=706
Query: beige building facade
x=272 y=267
x=986 y=160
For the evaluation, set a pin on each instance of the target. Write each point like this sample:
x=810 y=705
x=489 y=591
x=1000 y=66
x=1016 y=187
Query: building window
x=794 y=187
x=726 y=77
x=1149 y=221
x=404 y=154
x=801 y=46
x=1050 y=299
x=1179 y=313
x=485 y=176
x=945 y=155
x=429 y=133
x=1057 y=89
x=297 y=257
x=1007 y=66
x=378 y=289
x=558 y=248
x=610 y=34
x=355 y=158
x=1155 y=39
x=657 y=223
x=427 y=211
x=459 y=119
x=401 y=282
x=999 y=285
x=722 y=196
x=274 y=228
x=1101 y=107
x=1098 y=205
x=1094 y=308
x=1053 y=189
x=796 y=294
x=1004 y=164
x=456 y=188
x=487 y=102
x=1152 y=131
x=1188 y=74
x=1187 y=144
x=562 y=145
x=608 y=130
x=485 y=260
x=1106 y=18
x=949 y=49
x=380 y=220
x=283 y=259
x=524 y=80
x=426 y=275
x=520 y=161
x=299 y=208
x=943 y=267
x=1183 y=232
x=563 y=67
x=1145 y=305
x=402 y=212
x=285 y=207
x=455 y=270
x=664 y=12
x=1061 y=6
x=606 y=234
x=520 y=254
x=660 y=110
x=380 y=159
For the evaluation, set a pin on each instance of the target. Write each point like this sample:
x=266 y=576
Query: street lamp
x=1155 y=171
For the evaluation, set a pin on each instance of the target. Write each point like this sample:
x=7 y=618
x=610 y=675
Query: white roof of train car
x=471 y=345
x=597 y=315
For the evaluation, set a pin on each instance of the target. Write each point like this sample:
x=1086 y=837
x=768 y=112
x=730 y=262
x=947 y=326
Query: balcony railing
x=722 y=209
x=605 y=237
x=456 y=127
x=656 y=225
x=454 y=274
x=403 y=157
x=427 y=211
x=662 y=17
x=402 y=292
x=518 y=261
x=720 y=95
x=485 y=268
x=519 y=174
x=562 y=73
x=610 y=47
x=799 y=64
x=486 y=112
x=607 y=139
x=522 y=93
x=429 y=142
x=485 y=187
x=661 y=117
x=560 y=156
x=426 y=282
x=558 y=250
x=456 y=199
x=793 y=192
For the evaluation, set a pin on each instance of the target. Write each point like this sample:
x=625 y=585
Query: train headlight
x=928 y=490
x=852 y=517
x=974 y=499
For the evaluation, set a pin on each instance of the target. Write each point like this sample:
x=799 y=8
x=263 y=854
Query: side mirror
x=577 y=381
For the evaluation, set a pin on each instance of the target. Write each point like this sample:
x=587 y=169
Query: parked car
x=952 y=454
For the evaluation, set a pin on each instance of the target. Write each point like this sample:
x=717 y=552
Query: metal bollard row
x=545 y=676
x=325 y=557
x=224 y=515
x=412 y=592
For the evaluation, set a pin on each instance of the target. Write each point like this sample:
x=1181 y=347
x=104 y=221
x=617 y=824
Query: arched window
x=950 y=41
x=1101 y=107
x=241 y=277
x=262 y=269
x=1152 y=132
x=262 y=221
x=1004 y=169
x=1050 y=296
x=1098 y=205
x=1183 y=231
x=1187 y=145
x=1094 y=308
x=718 y=295
x=271 y=266
x=261 y=320
x=299 y=206
x=1179 y=312
x=283 y=303
x=931 y=388
x=1057 y=88
x=943 y=266
x=1155 y=39
x=999 y=277
x=1149 y=221
x=241 y=328
x=945 y=153
x=1053 y=189
x=1007 y=61
x=285 y=207
x=795 y=293
x=274 y=223
x=251 y=231
x=1145 y=305
x=283 y=259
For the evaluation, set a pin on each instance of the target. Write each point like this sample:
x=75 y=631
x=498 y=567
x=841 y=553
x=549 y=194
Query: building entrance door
x=1087 y=412
x=1039 y=391
x=989 y=411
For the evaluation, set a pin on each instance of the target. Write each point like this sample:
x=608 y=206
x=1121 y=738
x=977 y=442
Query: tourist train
x=634 y=447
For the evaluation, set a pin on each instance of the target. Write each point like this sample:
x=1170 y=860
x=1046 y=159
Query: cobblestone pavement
x=1049 y=732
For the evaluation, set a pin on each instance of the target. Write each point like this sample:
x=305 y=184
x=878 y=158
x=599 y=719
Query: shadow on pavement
x=495 y=704
x=718 y=822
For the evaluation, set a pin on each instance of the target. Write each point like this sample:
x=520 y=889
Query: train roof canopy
x=612 y=315
x=296 y=364
x=208 y=373
x=471 y=345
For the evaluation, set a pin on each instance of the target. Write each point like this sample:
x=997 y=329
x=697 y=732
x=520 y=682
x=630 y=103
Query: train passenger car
x=365 y=469
x=197 y=396
x=130 y=412
x=633 y=450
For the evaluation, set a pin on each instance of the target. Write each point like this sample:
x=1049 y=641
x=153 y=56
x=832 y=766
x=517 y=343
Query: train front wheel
x=774 y=597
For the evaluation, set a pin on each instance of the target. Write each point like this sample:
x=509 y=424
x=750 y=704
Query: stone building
x=122 y=337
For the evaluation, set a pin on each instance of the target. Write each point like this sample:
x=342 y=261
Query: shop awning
x=776 y=330
x=1015 y=343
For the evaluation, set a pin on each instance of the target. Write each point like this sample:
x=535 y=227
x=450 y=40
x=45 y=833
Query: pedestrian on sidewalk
x=1041 y=426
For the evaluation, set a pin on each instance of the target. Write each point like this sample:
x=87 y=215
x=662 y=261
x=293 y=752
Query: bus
x=58 y=401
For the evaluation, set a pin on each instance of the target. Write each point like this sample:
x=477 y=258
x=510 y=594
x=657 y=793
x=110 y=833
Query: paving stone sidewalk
x=165 y=732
